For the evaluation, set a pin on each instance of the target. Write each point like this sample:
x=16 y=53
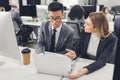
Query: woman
x=106 y=13
x=76 y=14
x=2 y=9
x=96 y=42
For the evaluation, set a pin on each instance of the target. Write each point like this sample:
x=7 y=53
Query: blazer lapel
x=101 y=46
x=49 y=36
x=86 y=41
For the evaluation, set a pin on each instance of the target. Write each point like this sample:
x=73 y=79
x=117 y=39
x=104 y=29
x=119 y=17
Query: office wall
x=14 y=2
x=69 y=3
x=109 y=3
x=46 y=1
x=24 y=2
x=43 y=1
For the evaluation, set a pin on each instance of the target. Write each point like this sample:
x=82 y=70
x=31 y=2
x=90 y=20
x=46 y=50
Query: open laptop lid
x=53 y=64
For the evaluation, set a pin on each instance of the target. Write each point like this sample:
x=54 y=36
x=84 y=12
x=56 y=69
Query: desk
x=18 y=71
x=28 y=21
x=105 y=73
x=12 y=71
x=38 y=24
x=15 y=71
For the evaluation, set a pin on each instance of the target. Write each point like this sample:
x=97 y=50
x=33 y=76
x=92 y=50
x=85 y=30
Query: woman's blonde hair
x=100 y=24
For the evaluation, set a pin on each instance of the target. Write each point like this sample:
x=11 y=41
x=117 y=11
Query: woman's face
x=88 y=26
x=106 y=11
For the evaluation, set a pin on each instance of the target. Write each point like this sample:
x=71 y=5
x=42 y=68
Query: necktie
x=52 y=46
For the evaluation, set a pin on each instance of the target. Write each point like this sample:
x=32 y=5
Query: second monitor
x=28 y=11
x=89 y=9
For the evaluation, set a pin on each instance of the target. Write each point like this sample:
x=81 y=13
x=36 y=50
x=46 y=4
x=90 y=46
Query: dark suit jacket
x=104 y=50
x=44 y=38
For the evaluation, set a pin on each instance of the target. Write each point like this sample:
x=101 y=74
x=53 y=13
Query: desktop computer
x=8 y=44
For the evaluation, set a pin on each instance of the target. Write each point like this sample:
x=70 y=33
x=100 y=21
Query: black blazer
x=104 y=50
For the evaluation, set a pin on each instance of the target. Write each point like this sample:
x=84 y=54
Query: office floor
x=30 y=44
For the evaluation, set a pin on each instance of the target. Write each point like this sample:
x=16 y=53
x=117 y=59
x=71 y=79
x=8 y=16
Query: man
x=22 y=32
x=54 y=36
x=17 y=21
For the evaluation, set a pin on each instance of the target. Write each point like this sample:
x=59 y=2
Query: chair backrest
x=117 y=26
x=77 y=29
x=113 y=55
x=116 y=48
x=16 y=26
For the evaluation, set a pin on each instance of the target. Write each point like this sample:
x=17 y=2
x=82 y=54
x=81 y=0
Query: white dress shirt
x=57 y=33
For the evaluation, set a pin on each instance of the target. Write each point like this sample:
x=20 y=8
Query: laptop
x=2 y=63
x=52 y=63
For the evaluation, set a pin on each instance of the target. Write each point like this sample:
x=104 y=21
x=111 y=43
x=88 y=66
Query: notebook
x=52 y=63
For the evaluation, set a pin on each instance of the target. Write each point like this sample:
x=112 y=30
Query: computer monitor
x=42 y=12
x=8 y=43
x=7 y=7
x=89 y=9
x=101 y=7
x=117 y=8
x=28 y=11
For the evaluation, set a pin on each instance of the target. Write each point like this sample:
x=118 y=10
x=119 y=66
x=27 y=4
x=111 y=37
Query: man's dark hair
x=55 y=6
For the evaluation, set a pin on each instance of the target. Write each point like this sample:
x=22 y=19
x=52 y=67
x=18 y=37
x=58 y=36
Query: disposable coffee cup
x=26 y=56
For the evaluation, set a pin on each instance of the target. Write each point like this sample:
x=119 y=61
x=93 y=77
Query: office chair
x=117 y=34
x=116 y=74
x=16 y=26
x=113 y=55
x=77 y=29
x=24 y=35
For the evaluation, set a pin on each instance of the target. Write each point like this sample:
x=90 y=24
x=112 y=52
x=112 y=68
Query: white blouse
x=93 y=44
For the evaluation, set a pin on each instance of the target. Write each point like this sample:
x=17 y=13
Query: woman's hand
x=70 y=53
x=79 y=73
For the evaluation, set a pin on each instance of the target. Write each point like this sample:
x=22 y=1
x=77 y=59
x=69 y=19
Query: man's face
x=55 y=18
